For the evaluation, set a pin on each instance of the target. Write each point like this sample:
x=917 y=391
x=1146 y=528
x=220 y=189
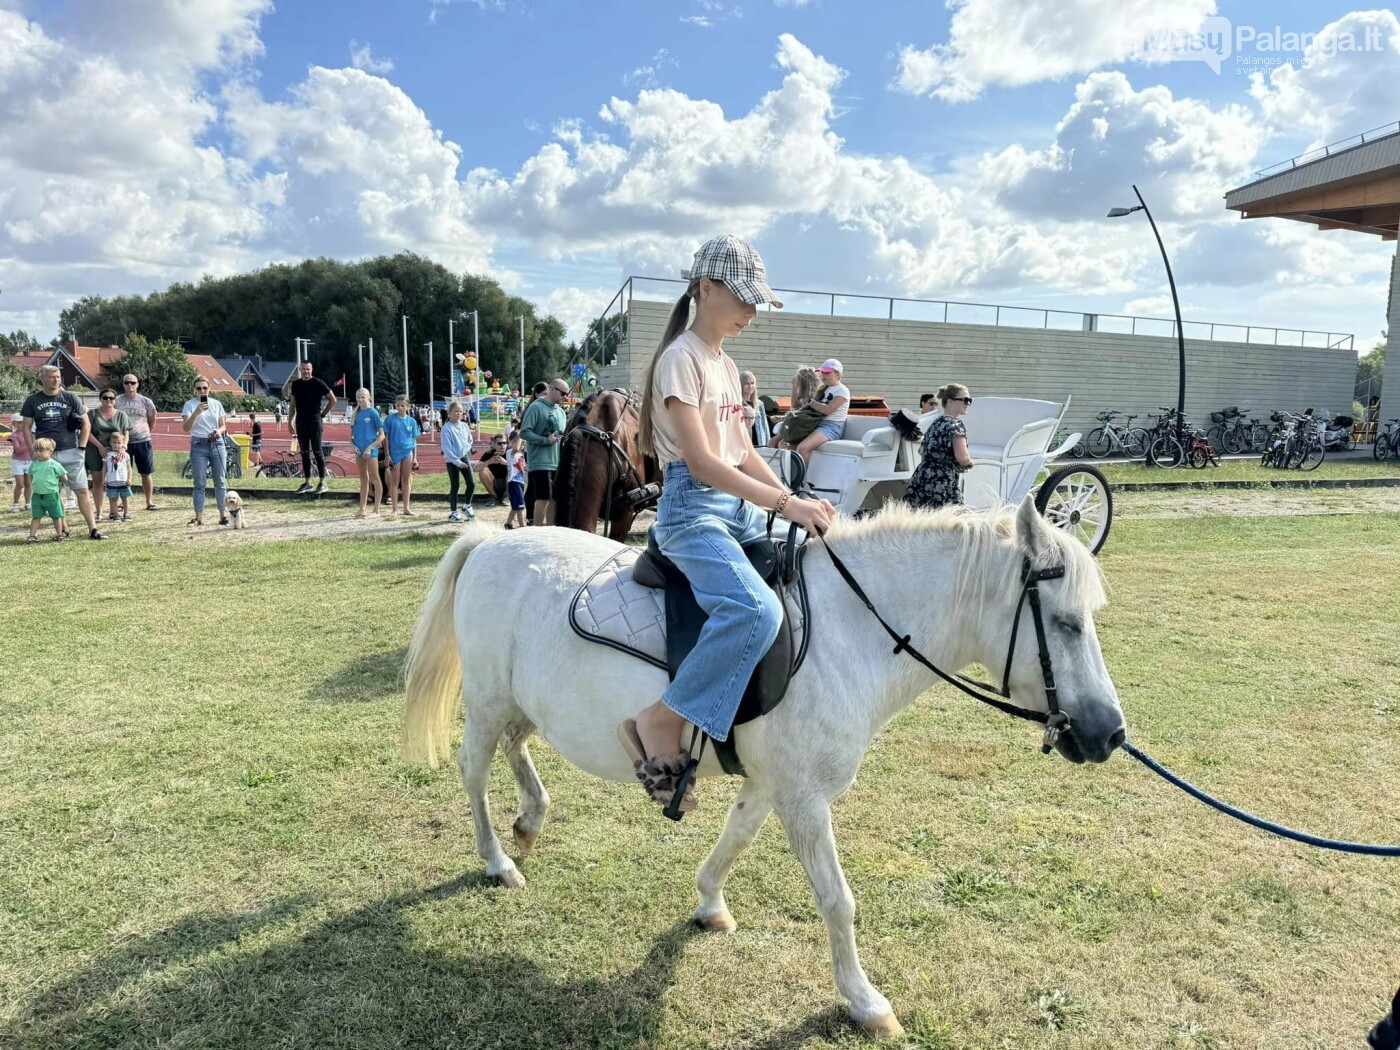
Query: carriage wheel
x=1077 y=498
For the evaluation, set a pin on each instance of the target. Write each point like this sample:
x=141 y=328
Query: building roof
x=276 y=373
x=236 y=366
x=33 y=361
x=220 y=382
x=1352 y=188
x=90 y=361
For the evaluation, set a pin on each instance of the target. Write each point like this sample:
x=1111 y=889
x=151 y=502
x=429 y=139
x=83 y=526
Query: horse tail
x=433 y=669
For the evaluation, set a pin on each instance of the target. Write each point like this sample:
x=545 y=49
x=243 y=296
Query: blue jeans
x=206 y=457
x=702 y=529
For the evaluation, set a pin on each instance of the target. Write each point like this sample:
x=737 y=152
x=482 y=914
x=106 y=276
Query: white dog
x=234 y=502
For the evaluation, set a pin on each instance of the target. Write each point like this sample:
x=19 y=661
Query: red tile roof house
x=89 y=366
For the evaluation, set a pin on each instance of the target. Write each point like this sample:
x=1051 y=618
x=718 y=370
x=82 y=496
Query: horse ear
x=1031 y=534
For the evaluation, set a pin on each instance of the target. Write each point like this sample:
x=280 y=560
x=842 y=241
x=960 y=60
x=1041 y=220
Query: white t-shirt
x=118 y=468
x=208 y=420
x=830 y=394
x=693 y=373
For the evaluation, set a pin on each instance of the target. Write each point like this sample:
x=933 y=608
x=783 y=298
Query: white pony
x=952 y=579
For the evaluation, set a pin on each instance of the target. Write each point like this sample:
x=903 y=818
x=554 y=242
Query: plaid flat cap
x=732 y=261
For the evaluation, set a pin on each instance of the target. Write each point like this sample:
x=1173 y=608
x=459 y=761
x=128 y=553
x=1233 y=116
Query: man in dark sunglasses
x=141 y=412
x=494 y=470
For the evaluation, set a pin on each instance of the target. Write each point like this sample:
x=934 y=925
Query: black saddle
x=779 y=562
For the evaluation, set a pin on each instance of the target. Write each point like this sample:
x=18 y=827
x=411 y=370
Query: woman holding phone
x=204 y=421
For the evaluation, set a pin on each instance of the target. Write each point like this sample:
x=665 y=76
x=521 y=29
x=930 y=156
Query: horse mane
x=981 y=539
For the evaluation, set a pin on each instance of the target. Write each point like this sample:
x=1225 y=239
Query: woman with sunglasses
x=934 y=483
x=106 y=421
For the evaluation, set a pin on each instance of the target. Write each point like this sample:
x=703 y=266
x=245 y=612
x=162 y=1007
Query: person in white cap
x=833 y=402
x=716 y=493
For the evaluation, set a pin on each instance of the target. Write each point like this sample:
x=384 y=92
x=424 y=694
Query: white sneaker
x=471 y=514
x=71 y=503
x=454 y=516
x=14 y=509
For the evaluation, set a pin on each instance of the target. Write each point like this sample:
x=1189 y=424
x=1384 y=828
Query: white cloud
x=649 y=75
x=1017 y=42
x=366 y=169
x=362 y=58
x=202 y=34
x=687 y=169
x=576 y=307
x=699 y=21
x=1336 y=93
x=1183 y=154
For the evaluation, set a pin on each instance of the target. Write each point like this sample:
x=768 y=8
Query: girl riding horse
x=715 y=491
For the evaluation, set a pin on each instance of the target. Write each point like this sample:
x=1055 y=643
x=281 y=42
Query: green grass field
x=209 y=840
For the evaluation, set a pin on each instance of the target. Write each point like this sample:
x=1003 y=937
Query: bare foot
x=410 y=514
x=362 y=514
x=660 y=729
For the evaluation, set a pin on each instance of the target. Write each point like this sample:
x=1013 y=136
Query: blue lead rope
x=1259 y=822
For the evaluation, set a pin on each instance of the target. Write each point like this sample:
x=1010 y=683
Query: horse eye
x=1072 y=626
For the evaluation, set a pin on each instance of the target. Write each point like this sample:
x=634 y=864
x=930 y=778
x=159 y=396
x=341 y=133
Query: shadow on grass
x=426 y=560
x=362 y=979
x=364 y=679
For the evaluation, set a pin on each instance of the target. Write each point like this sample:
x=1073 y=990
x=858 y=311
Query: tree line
x=338 y=306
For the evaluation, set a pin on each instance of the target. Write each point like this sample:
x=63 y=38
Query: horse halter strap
x=1055 y=721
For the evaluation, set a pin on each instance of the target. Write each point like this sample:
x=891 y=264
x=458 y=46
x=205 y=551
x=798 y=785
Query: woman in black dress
x=934 y=483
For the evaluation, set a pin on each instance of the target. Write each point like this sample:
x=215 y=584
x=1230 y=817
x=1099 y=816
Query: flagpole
x=404 y=317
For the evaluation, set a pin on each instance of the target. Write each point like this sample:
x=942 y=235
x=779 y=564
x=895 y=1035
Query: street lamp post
x=522 y=359
x=371 y=370
x=361 y=349
x=1180 y=333
x=432 y=407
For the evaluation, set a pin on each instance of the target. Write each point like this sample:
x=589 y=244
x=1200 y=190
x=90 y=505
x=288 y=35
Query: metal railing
x=1331 y=149
x=895 y=308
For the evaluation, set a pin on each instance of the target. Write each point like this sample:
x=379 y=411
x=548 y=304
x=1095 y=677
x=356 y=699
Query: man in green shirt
x=542 y=428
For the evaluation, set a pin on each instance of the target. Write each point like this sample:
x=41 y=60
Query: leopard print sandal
x=658 y=774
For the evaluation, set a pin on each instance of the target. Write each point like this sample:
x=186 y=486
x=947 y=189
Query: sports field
x=209 y=839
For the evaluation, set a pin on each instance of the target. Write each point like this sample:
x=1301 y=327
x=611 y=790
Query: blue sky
x=892 y=148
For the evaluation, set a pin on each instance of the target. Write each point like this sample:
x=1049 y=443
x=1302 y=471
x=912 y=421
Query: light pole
x=404 y=318
x=362 y=363
x=432 y=408
x=1114 y=213
x=371 y=370
x=522 y=359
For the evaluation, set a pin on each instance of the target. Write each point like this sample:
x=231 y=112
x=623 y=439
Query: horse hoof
x=524 y=840
x=720 y=922
x=883 y=1028
x=511 y=878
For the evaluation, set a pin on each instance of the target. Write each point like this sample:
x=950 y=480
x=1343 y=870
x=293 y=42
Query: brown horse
x=602 y=472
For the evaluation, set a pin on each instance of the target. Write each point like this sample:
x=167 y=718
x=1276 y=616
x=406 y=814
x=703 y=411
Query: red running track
x=168 y=436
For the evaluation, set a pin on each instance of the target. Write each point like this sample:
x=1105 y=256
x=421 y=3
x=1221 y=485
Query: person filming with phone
x=203 y=419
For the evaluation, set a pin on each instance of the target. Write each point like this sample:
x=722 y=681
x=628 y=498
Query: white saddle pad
x=614 y=610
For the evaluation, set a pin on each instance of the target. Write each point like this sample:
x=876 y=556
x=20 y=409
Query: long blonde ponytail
x=675 y=325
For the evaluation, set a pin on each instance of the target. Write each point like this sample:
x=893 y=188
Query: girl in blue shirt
x=367 y=433
x=456 y=440
x=402 y=432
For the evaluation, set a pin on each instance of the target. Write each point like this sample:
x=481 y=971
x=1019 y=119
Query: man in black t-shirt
x=307 y=394
x=58 y=415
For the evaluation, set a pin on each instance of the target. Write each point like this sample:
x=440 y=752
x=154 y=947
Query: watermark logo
x=1216 y=39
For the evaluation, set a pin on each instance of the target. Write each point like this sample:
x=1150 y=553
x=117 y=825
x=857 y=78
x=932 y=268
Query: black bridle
x=1055 y=721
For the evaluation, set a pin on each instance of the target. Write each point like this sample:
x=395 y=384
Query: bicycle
x=1387 y=444
x=1230 y=433
x=233 y=464
x=1105 y=440
x=1203 y=453
x=1164 y=449
x=288 y=465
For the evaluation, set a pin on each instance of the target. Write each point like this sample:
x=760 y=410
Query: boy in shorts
x=44 y=475
x=117 y=467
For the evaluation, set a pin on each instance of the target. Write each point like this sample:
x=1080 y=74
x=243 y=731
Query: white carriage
x=1009 y=439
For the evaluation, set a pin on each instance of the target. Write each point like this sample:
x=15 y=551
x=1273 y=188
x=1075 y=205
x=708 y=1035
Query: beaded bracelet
x=782 y=502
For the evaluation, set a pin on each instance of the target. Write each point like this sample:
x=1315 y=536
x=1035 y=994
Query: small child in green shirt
x=45 y=474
